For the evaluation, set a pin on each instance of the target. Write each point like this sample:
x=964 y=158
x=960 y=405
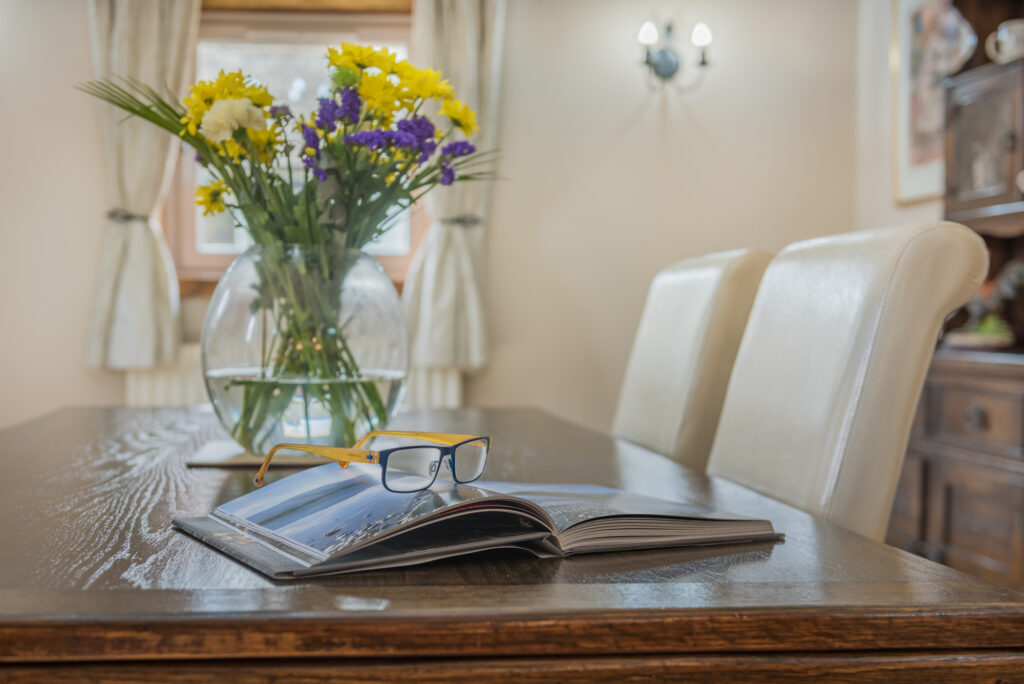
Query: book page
x=570 y=504
x=328 y=508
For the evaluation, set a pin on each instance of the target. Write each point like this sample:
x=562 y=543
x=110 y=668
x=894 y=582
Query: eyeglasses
x=404 y=468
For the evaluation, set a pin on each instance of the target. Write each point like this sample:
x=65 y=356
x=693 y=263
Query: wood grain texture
x=91 y=570
x=888 y=668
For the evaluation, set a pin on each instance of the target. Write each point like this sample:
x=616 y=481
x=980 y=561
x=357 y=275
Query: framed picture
x=930 y=39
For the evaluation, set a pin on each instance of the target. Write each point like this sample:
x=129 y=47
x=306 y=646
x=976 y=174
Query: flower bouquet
x=311 y=191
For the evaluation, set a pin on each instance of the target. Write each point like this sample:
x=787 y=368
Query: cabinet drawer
x=980 y=418
x=978 y=521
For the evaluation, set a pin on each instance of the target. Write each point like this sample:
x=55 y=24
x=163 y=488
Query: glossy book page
x=571 y=504
x=327 y=509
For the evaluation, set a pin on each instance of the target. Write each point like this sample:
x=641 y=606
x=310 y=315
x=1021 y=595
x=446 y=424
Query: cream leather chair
x=828 y=375
x=683 y=352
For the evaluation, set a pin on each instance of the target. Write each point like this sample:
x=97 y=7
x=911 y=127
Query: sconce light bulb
x=648 y=33
x=701 y=36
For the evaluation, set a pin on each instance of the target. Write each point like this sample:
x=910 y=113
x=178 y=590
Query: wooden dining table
x=95 y=584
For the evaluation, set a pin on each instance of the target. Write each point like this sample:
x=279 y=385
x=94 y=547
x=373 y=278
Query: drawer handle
x=976 y=418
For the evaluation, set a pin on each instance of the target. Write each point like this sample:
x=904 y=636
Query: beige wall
x=606 y=181
x=609 y=182
x=874 y=183
x=51 y=211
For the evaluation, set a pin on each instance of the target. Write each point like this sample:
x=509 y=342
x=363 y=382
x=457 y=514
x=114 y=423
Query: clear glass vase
x=304 y=344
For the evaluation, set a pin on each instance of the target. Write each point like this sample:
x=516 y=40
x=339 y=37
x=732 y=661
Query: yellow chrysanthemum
x=227 y=85
x=384 y=60
x=425 y=84
x=232 y=150
x=379 y=94
x=340 y=60
x=211 y=197
x=358 y=57
x=461 y=115
x=267 y=142
x=201 y=97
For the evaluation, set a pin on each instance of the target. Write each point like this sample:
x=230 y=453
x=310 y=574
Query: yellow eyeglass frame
x=346 y=455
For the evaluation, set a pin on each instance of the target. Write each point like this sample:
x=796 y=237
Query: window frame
x=199 y=272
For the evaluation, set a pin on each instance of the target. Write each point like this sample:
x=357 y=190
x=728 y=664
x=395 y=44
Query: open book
x=328 y=520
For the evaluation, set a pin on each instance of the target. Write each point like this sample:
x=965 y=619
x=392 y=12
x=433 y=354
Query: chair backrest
x=683 y=352
x=828 y=375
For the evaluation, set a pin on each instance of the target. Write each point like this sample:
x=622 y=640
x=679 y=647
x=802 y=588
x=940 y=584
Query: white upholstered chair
x=828 y=374
x=683 y=352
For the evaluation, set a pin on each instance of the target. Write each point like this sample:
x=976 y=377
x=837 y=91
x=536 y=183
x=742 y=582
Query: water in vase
x=264 y=411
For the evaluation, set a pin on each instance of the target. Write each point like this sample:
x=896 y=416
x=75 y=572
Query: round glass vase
x=304 y=344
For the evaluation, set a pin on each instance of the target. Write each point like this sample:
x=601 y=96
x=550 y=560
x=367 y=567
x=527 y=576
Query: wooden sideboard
x=961 y=494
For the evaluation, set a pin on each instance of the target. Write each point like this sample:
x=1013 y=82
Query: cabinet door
x=906 y=524
x=983 y=144
x=976 y=520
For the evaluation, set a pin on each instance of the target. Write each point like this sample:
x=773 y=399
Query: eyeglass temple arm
x=340 y=454
x=446 y=438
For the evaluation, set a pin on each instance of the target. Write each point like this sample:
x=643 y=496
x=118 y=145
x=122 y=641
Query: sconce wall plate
x=661 y=57
x=664 y=62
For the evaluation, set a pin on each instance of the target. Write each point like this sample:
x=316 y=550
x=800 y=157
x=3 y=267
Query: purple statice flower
x=405 y=138
x=427 y=149
x=281 y=112
x=328 y=114
x=373 y=140
x=447 y=173
x=419 y=126
x=311 y=139
x=351 y=104
x=402 y=139
x=312 y=142
x=458 y=148
x=319 y=173
x=423 y=129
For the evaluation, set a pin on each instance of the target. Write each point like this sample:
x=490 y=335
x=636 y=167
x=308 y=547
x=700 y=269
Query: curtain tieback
x=463 y=221
x=125 y=216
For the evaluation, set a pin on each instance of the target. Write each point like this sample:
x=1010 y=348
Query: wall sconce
x=662 y=58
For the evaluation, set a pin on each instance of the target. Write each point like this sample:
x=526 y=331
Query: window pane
x=296 y=74
x=217 y=233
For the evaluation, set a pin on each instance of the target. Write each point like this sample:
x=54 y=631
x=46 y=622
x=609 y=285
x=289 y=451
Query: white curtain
x=135 y=312
x=442 y=294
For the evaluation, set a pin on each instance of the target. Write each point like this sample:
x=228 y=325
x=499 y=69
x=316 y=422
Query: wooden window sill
x=203 y=286
x=367 y=6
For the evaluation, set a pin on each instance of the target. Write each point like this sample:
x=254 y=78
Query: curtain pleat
x=443 y=292
x=135 y=311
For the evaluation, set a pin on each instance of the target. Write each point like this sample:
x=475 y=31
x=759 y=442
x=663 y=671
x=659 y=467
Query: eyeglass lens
x=470 y=459
x=412 y=469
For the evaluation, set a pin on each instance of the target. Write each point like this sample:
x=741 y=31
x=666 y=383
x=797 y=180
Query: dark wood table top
x=90 y=569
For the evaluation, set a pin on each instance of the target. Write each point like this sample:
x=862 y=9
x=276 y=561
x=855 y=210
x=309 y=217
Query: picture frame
x=918 y=61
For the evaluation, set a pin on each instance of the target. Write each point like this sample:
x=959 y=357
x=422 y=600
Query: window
x=285 y=52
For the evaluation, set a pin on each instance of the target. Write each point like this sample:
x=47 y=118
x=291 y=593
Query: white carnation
x=221 y=120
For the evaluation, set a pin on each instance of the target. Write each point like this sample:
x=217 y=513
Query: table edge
x=757 y=630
